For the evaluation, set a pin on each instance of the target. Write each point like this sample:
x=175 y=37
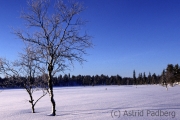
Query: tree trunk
x=166 y=87
x=51 y=94
x=32 y=102
x=33 y=110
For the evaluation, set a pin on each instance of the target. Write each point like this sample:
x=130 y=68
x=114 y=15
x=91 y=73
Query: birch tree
x=24 y=73
x=57 y=36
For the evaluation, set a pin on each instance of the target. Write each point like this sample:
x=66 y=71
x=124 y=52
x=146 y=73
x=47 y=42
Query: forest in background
x=170 y=75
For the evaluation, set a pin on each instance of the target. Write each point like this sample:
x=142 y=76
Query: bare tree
x=57 y=36
x=164 y=79
x=24 y=73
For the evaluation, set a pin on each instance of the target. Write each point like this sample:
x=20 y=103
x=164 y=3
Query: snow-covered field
x=152 y=102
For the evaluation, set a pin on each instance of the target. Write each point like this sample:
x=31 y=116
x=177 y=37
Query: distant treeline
x=87 y=80
x=170 y=75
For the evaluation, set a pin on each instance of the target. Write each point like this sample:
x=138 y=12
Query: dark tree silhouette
x=134 y=78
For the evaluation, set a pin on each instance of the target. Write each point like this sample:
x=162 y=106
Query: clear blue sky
x=127 y=34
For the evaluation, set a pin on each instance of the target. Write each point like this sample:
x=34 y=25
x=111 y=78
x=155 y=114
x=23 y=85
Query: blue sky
x=127 y=34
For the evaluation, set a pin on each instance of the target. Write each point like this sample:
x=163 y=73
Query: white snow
x=95 y=103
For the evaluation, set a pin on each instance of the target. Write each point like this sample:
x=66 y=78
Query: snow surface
x=95 y=103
